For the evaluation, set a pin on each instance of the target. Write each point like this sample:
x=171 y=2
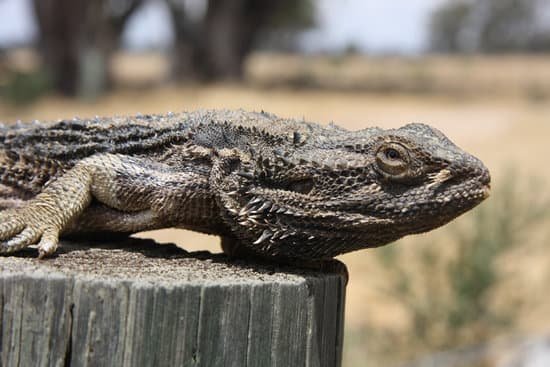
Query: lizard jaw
x=272 y=227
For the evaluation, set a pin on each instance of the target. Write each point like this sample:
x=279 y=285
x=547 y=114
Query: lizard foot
x=28 y=225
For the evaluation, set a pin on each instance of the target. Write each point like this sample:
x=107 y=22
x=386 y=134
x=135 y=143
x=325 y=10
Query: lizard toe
x=10 y=227
x=26 y=237
x=48 y=243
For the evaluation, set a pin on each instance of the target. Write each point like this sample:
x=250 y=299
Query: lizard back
x=32 y=154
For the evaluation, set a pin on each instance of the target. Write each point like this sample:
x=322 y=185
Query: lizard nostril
x=485 y=177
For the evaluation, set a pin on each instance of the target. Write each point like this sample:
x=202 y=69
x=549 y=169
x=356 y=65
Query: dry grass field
x=494 y=108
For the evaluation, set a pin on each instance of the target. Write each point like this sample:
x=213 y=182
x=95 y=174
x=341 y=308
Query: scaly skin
x=276 y=188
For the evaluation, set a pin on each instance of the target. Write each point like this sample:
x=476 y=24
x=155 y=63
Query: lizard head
x=337 y=191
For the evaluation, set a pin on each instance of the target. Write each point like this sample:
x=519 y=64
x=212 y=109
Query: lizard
x=271 y=187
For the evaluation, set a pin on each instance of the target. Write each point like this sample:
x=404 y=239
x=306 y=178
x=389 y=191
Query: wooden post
x=143 y=304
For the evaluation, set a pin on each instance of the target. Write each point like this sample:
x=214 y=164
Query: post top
x=149 y=262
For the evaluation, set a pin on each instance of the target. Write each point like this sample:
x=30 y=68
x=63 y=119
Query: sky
x=374 y=26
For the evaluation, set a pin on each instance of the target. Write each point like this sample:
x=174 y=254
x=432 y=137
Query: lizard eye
x=392 y=159
x=392 y=154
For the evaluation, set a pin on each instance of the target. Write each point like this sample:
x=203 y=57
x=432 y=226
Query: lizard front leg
x=41 y=219
x=139 y=195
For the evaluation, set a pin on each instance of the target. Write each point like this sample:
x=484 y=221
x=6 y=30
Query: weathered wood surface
x=149 y=305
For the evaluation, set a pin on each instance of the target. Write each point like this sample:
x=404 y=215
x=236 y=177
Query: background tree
x=215 y=46
x=76 y=39
x=446 y=24
x=489 y=26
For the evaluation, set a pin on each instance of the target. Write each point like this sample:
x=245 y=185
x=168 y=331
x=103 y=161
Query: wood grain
x=142 y=304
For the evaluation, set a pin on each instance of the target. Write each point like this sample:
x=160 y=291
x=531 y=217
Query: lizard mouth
x=274 y=221
x=447 y=194
x=435 y=206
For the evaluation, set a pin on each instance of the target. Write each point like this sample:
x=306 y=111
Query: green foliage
x=502 y=224
x=22 y=88
x=448 y=297
x=299 y=14
x=536 y=92
x=488 y=26
x=509 y=24
x=446 y=24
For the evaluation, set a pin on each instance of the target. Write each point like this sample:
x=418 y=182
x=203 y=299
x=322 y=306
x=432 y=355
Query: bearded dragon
x=271 y=187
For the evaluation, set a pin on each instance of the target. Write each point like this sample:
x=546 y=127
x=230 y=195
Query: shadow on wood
x=142 y=304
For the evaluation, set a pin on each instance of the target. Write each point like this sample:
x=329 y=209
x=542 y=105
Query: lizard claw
x=26 y=237
x=48 y=244
x=22 y=227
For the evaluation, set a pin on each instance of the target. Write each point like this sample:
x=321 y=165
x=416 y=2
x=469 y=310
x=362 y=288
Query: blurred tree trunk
x=59 y=22
x=77 y=39
x=216 y=46
x=230 y=27
x=186 y=63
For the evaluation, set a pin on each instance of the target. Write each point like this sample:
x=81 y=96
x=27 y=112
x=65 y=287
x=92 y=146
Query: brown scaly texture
x=271 y=187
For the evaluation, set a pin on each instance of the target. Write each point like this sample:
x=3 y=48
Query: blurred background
x=474 y=293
